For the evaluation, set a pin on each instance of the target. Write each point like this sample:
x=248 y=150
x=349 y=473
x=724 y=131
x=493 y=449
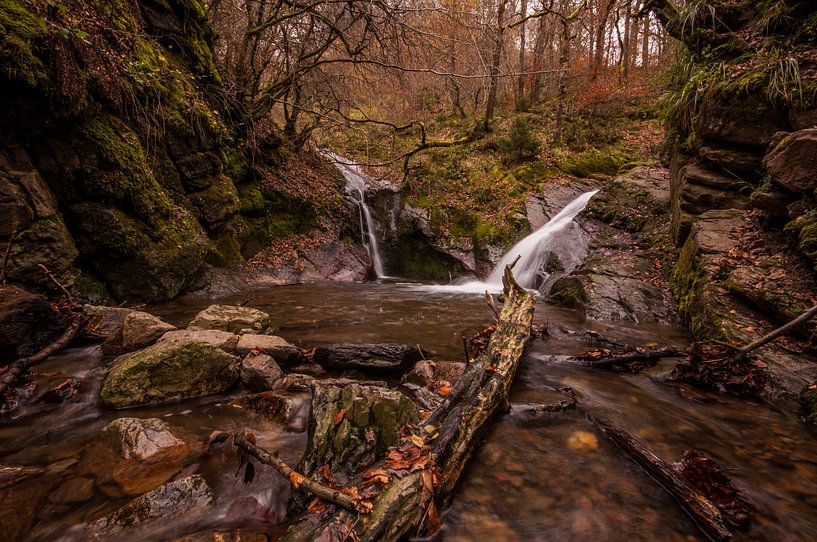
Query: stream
x=552 y=478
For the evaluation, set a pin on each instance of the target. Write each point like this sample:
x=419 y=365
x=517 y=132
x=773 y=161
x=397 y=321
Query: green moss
x=608 y=163
x=22 y=33
x=568 y=292
x=687 y=282
x=252 y=200
x=225 y=251
x=805 y=227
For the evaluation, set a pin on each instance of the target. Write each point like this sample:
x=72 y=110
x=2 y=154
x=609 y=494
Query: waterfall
x=536 y=249
x=356 y=188
x=560 y=237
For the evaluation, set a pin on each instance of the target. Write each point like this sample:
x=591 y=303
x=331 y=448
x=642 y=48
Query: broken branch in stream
x=246 y=442
x=705 y=514
x=17 y=368
x=611 y=359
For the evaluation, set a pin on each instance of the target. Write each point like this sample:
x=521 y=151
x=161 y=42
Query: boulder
x=773 y=203
x=230 y=318
x=27 y=323
x=259 y=372
x=793 y=162
x=167 y=371
x=182 y=497
x=696 y=174
x=220 y=339
x=353 y=426
x=426 y=372
x=285 y=408
x=73 y=490
x=386 y=357
x=136 y=438
x=125 y=329
x=277 y=347
x=732 y=159
x=23 y=494
x=751 y=121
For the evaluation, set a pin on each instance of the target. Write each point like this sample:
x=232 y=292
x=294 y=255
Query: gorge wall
x=125 y=166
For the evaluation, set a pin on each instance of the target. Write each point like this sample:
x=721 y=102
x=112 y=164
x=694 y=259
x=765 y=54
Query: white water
x=560 y=236
x=356 y=188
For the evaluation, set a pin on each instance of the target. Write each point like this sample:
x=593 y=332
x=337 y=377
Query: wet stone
x=281 y=350
x=220 y=339
x=74 y=490
x=136 y=438
x=286 y=408
x=259 y=372
x=231 y=318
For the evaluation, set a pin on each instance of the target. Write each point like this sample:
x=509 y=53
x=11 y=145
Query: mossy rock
x=23 y=33
x=168 y=371
x=805 y=227
x=568 y=292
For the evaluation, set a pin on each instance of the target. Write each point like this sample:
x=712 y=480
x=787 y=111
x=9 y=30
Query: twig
x=6 y=257
x=769 y=337
x=316 y=488
x=617 y=360
x=19 y=367
x=465 y=347
x=55 y=281
x=489 y=299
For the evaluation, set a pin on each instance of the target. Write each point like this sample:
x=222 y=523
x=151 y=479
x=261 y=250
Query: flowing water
x=356 y=188
x=552 y=478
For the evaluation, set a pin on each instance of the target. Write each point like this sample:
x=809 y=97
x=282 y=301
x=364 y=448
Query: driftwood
x=17 y=368
x=621 y=360
x=705 y=514
x=385 y=358
x=247 y=443
x=407 y=499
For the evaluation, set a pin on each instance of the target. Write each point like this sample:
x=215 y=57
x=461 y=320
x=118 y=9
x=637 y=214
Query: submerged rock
x=259 y=372
x=231 y=318
x=426 y=372
x=220 y=339
x=137 y=438
x=277 y=347
x=74 y=490
x=166 y=371
x=373 y=357
x=27 y=323
x=182 y=497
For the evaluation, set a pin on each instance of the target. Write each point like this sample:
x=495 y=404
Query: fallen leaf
x=316 y=506
x=583 y=440
x=296 y=479
x=327 y=473
x=339 y=416
x=417 y=441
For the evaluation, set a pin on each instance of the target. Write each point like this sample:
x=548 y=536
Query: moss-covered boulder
x=167 y=371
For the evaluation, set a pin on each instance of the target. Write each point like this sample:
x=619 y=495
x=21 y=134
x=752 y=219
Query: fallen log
x=700 y=509
x=418 y=475
x=622 y=360
x=17 y=368
x=384 y=358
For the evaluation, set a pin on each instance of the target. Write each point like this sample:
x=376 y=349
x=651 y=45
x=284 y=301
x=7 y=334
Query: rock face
x=27 y=323
x=167 y=371
x=259 y=372
x=140 y=439
x=182 y=497
x=352 y=426
x=230 y=318
x=793 y=162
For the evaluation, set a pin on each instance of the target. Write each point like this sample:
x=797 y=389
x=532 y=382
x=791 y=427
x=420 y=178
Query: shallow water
x=552 y=478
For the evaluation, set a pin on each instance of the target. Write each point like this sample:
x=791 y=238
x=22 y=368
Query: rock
x=755 y=285
x=750 y=121
x=13 y=474
x=220 y=339
x=74 y=490
x=23 y=494
x=27 y=323
x=277 y=347
x=353 y=426
x=66 y=390
x=298 y=382
x=714 y=231
x=140 y=329
x=182 y=497
x=371 y=357
x=125 y=329
x=808 y=403
x=259 y=372
x=793 y=162
x=773 y=203
x=803 y=118
x=696 y=174
x=733 y=160
x=285 y=408
x=697 y=199
x=230 y=318
x=653 y=180
x=426 y=372
x=136 y=438
x=567 y=292
x=166 y=371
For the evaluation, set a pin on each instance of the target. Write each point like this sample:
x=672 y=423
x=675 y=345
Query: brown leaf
x=339 y=416
x=316 y=506
x=327 y=473
x=433 y=522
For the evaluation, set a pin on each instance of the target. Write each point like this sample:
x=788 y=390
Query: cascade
x=356 y=188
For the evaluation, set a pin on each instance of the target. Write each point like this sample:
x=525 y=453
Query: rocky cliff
x=743 y=158
x=125 y=167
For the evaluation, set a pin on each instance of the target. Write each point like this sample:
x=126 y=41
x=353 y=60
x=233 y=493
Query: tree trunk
x=598 y=57
x=564 y=57
x=490 y=104
x=520 y=84
x=625 y=44
x=408 y=501
x=645 y=44
x=539 y=59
